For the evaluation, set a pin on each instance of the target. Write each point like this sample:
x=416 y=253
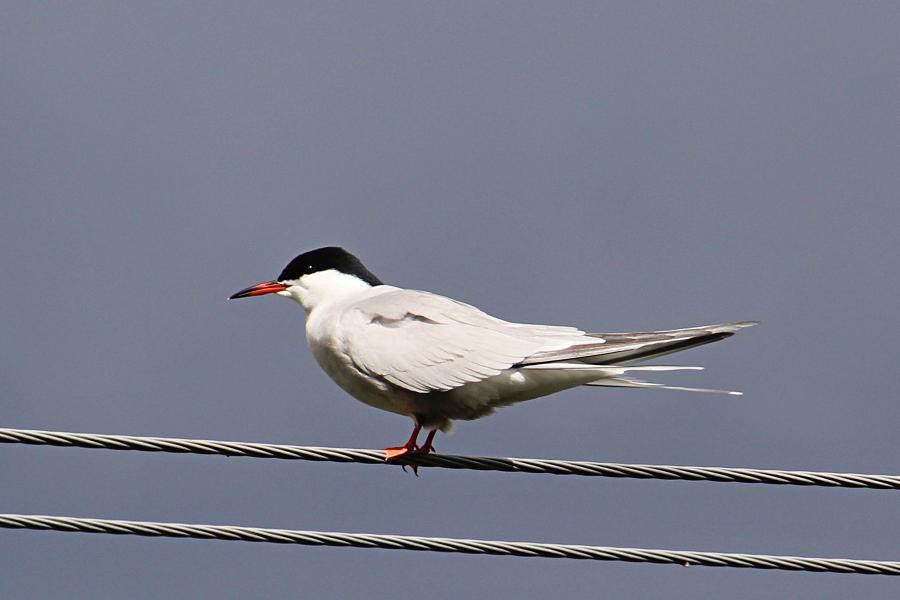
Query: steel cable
x=437 y=544
x=448 y=461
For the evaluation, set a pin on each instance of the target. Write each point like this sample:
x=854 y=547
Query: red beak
x=260 y=289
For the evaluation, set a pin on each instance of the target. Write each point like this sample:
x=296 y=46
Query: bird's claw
x=397 y=452
x=411 y=447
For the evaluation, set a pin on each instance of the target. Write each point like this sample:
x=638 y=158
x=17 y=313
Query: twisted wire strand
x=440 y=544
x=448 y=461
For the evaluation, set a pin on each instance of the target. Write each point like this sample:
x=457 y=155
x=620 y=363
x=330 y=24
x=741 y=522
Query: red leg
x=407 y=448
x=424 y=449
x=427 y=447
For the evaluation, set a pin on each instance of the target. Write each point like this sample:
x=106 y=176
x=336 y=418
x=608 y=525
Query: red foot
x=398 y=451
x=427 y=448
x=411 y=447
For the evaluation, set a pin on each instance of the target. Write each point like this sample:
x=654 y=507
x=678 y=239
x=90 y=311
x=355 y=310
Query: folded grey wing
x=424 y=342
x=628 y=348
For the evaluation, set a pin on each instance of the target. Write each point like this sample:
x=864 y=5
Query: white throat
x=323 y=287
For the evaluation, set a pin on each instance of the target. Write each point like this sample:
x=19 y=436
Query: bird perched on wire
x=437 y=360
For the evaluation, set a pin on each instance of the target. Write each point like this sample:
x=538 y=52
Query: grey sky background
x=614 y=166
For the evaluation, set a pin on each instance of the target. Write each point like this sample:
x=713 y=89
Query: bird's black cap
x=323 y=259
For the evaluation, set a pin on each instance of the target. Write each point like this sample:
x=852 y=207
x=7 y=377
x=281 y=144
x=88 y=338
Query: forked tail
x=620 y=381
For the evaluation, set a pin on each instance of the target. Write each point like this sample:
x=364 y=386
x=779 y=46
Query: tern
x=436 y=359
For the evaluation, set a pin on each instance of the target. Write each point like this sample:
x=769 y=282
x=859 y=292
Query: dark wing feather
x=627 y=348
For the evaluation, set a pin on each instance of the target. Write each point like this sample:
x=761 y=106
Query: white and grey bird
x=437 y=360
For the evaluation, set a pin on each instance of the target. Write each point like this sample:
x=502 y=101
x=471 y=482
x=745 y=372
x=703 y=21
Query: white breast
x=326 y=341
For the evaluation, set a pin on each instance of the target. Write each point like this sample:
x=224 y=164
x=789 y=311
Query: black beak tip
x=260 y=289
x=245 y=293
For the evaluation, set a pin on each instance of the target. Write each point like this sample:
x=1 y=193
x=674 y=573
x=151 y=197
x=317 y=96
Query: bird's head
x=317 y=276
